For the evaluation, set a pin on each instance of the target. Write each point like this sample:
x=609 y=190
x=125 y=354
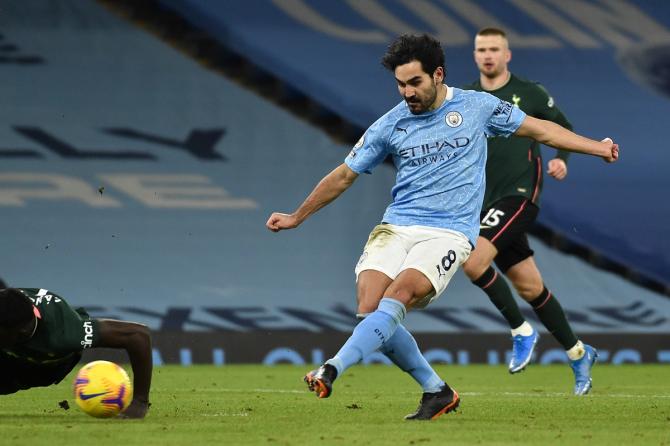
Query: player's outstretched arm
x=136 y=340
x=328 y=189
x=551 y=134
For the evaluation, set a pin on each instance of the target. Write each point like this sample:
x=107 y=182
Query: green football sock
x=550 y=312
x=495 y=286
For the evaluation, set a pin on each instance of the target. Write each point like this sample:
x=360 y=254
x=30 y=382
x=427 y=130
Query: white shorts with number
x=435 y=252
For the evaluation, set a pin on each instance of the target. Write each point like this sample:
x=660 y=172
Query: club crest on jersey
x=453 y=119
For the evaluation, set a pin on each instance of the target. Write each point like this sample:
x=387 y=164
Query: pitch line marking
x=475 y=394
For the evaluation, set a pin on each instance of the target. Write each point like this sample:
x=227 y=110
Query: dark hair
x=491 y=31
x=409 y=47
x=16 y=309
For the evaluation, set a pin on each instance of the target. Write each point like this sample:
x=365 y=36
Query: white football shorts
x=435 y=252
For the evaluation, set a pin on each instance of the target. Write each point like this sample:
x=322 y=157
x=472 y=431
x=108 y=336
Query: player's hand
x=612 y=150
x=137 y=410
x=557 y=168
x=279 y=221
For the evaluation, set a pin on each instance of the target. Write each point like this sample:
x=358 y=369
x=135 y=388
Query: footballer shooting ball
x=102 y=389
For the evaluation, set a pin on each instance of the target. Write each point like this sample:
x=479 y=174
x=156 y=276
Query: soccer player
x=511 y=200
x=42 y=339
x=436 y=137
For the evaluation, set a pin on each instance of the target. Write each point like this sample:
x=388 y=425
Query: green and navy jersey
x=61 y=332
x=514 y=166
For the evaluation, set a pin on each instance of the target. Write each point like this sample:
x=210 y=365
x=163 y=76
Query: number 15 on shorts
x=492 y=218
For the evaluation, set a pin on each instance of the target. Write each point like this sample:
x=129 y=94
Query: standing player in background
x=437 y=138
x=42 y=339
x=513 y=185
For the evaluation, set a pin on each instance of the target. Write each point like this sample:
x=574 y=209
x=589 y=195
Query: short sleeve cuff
x=350 y=162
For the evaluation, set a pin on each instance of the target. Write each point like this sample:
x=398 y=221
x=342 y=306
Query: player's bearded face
x=418 y=88
x=422 y=99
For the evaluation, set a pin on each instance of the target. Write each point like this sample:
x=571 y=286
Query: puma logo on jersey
x=400 y=129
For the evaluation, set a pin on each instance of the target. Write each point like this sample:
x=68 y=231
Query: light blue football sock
x=404 y=352
x=369 y=334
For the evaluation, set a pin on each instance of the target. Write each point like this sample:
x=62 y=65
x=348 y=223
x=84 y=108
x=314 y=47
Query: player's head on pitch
x=17 y=317
x=492 y=53
x=417 y=62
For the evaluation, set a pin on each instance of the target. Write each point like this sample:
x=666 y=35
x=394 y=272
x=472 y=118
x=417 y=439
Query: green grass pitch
x=257 y=405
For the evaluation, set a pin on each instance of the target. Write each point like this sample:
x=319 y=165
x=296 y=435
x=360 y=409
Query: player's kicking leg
x=320 y=381
x=422 y=276
x=432 y=405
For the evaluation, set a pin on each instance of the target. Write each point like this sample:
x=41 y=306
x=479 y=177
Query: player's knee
x=408 y=295
x=367 y=303
x=402 y=292
x=366 y=308
x=474 y=268
x=470 y=271
x=404 y=295
x=528 y=290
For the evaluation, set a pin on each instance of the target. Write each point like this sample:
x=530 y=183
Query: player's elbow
x=341 y=178
x=141 y=336
x=545 y=138
x=138 y=343
x=537 y=129
x=121 y=334
x=347 y=176
x=549 y=133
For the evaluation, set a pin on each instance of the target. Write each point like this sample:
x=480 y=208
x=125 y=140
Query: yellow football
x=102 y=389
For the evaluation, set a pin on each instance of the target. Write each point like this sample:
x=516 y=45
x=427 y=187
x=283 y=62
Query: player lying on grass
x=42 y=339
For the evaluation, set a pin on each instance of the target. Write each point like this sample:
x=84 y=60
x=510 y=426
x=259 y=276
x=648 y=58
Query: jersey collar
x=450 y=93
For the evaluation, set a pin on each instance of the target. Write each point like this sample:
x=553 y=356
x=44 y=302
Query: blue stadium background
x=136 y=177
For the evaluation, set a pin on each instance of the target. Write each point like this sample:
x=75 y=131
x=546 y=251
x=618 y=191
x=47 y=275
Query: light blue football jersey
x=440 y=157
